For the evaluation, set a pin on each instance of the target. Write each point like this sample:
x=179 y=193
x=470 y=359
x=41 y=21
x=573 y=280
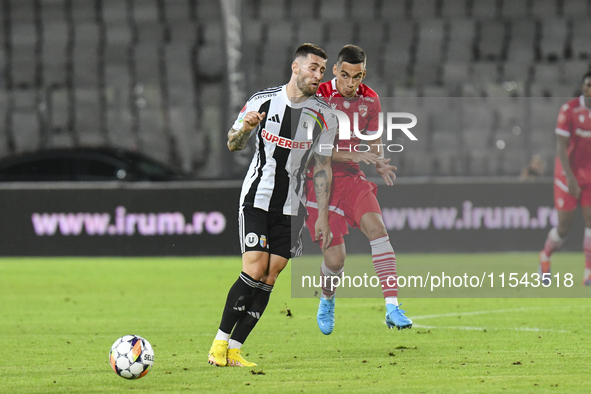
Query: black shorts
x=271 y=232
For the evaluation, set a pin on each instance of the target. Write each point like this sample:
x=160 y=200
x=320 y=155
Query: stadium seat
x=147 y=62
x=575 y=8
x=548 y=74
x=149 y=32
x=279 y=33
x=580 y=39
x=365 y=11
x=339 y=33
x=455 y=74
x=493 y=34
x=422 y=9
x=332 y=10
x=146 y=11
x=544 y=9
x=430 y=42
x=515 y=8
x=485 y=9
x=521 y=45
x=395 y=10
x=114 y=12
x=55 y=38
x=553 y=41
x=301 y=10
x=453 y=9
x=272 y=10
x=461 y=39
x=86 y=66
x=208 y=11
x=178 y=64
x=177 y=11
x=87 y=118
x=25 y=130
x=372 y=38
x=309 y=31
x=574 y=70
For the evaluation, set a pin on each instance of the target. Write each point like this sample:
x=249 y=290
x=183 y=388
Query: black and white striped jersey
x=285 y=141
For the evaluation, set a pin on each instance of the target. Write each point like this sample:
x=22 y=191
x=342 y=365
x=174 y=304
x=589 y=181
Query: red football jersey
x=574 y=121
x=367 y=105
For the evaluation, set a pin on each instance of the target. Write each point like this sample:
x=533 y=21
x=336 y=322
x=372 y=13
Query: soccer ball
x=131 y=357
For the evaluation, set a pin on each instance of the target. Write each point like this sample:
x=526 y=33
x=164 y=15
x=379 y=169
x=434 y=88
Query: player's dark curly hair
x=307 y=49
x=351 y=54
x=587 y=75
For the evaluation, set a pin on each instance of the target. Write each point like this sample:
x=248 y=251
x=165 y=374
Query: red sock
x=553 y=242
x=587 y=248
x=384 y=263
x=326 y=275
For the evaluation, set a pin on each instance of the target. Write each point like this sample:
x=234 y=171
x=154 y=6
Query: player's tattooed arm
x=237 y=139
x=322 y=185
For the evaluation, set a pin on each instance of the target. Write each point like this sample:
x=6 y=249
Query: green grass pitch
x=59 y=317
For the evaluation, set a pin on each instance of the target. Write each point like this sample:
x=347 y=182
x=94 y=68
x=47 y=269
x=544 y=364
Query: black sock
x=248 y=320
x=238 y=301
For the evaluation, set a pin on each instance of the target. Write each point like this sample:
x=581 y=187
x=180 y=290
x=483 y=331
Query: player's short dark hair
x=307 y=49
x=351 y=54
x=587 y=75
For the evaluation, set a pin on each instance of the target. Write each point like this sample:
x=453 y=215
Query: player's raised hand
x=386 y=170
x=251 y=120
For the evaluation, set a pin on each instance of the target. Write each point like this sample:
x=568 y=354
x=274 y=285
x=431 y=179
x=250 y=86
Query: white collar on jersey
x=292 y=104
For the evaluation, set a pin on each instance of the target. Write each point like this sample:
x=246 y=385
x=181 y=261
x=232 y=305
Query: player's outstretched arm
x=561 y=149
x=237 y=139
x=322 y=185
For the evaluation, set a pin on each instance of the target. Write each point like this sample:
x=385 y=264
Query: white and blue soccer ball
x=131 y=357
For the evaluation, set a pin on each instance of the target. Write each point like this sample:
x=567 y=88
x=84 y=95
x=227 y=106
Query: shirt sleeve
x=327 y=136
x=564 y=123
x=238 y=122
x=374 y=121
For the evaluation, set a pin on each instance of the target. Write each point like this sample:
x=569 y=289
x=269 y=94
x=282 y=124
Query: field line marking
x=493 y=311
x=468 y=328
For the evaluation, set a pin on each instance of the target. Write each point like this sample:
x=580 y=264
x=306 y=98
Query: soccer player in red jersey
x=353 y=198
x=572 y=176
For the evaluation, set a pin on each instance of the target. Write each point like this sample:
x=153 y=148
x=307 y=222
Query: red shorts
x=351 y=197
x=566 y=202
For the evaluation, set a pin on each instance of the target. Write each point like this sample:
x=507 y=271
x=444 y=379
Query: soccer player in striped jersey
x=288 y=127
x=572 y=177
x=353 y=198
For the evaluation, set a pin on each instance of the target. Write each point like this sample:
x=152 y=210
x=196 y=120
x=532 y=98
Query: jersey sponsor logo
x=251 y=239
x=285 y=142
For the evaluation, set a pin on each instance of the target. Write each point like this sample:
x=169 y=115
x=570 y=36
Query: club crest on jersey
x=346 y=104
x=363 y=110
x=263 y=242
x=251 y=239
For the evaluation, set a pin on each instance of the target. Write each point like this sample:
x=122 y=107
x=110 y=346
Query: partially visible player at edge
x=572 y=176
x=272 y=210
x=353 y=198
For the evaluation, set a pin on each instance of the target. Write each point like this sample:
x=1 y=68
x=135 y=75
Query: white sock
x=222 y=336
x=232 y=344
x=392 y=300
